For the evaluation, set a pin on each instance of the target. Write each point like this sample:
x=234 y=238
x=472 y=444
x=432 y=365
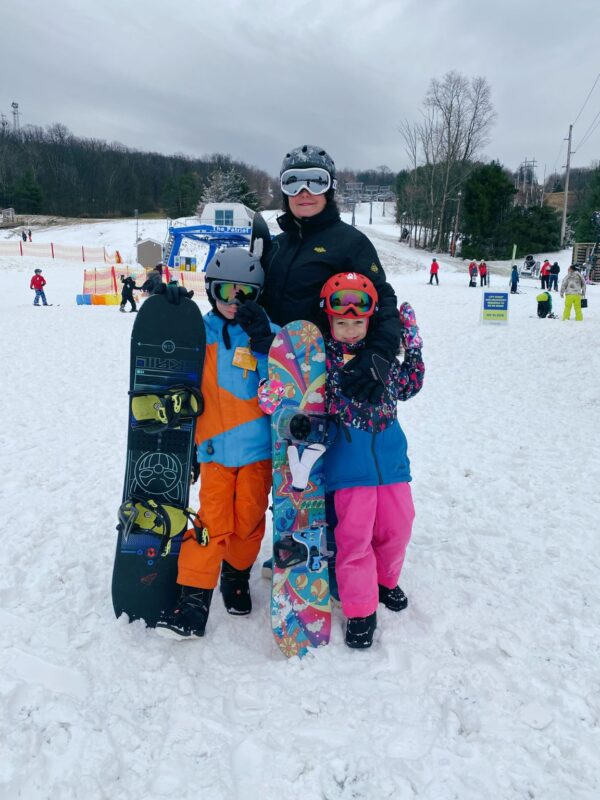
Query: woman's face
x=306 y=204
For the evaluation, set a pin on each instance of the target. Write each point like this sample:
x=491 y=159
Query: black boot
x=189 y=616
x=360 y=630
x=394 y=599
x=236 y=590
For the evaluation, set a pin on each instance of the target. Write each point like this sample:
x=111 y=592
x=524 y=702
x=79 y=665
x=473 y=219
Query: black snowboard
x=167 y=348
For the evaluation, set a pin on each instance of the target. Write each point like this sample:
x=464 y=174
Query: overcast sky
x=255 y=78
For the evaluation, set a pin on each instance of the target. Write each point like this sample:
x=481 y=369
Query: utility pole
x=563 y=227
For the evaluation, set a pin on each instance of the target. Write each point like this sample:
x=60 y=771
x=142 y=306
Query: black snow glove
x=365 y=376
x=173 y=292
x=253 y=320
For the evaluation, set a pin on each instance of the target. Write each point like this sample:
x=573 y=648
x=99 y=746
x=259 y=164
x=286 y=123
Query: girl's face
x=349 y=329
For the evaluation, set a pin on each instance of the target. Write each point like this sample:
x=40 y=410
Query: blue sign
x=494 y=307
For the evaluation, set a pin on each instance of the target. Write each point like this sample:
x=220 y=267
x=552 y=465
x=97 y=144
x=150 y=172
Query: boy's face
x=349 y=329
x=228 y=310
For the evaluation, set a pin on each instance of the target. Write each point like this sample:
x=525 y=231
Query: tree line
x=448 y=193
x=51 y=171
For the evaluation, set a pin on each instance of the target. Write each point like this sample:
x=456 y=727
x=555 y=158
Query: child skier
x=514 y=279
x=233 y=440
x=433 y=272
x=37 y=283
x=367 y=466
x=127 y=292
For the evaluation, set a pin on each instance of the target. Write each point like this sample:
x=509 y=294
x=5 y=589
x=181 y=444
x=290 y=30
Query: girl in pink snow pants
x=367 y=466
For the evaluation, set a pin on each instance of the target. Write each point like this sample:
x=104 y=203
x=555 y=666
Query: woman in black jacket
x=316 y=244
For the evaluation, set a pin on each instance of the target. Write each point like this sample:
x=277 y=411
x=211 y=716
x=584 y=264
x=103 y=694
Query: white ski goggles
x=314 y=179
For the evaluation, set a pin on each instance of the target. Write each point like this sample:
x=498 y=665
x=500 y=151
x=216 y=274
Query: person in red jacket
x=545 y=274
x=433 y=272
x=38 y=282
x=473 y=273
x=483 y=273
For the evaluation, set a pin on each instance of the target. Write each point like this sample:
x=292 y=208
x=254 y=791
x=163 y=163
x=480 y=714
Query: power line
x=592 y=127
x=587 y=98
x=560 y=149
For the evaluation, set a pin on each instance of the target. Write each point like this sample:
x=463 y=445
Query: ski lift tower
x=371 y=193
x=354 y=192
x=15 y=113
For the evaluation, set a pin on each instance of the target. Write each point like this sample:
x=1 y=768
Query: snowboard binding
x=144 y=515
x=157 y=412
x=299 y=427
x=299 y=548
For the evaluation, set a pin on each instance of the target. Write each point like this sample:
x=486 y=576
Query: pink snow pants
x=372 y=534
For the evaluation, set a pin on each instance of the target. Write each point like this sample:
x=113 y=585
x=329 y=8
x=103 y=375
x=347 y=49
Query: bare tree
x=457 y=117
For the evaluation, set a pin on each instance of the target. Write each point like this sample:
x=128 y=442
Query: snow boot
x=266 y=570
x=360 y=630
x=394 y=599
x=189 y=616
x=236 y=590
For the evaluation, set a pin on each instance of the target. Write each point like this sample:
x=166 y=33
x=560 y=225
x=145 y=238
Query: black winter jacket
x=308 y=253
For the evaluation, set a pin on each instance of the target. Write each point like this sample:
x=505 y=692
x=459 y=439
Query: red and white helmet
x=349 y=294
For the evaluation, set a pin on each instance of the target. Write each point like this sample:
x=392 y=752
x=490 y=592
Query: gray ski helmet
x=309 y=155
x=235 y=264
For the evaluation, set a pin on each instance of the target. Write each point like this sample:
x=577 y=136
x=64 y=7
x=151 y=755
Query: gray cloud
x=254 y=79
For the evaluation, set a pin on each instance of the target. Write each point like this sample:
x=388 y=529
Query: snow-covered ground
x=487 y=686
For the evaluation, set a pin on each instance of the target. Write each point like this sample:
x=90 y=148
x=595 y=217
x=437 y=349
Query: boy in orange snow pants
x=233 y=439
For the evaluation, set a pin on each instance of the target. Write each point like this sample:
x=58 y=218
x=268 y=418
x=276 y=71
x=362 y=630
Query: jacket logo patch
x=374 y=268
x=320 y=250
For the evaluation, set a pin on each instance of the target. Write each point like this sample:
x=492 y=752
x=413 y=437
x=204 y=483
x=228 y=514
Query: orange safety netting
x=191 y=280
x=66 y=252
x=108 y=280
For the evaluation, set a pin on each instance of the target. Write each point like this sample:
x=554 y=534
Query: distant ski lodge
x=233 y=214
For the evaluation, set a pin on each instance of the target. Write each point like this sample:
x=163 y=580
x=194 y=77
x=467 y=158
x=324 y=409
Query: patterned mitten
x=411 y=338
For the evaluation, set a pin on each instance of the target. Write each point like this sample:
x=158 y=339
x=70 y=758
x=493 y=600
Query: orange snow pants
x=233 y=504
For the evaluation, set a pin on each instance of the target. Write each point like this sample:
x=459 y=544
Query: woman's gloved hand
x=364 y=377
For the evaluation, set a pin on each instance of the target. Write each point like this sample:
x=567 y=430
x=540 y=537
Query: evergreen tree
x=585 y=228
x=180 y=195
x=487 y=199
x=29 y=194
x=533 y=230
x=230 y=187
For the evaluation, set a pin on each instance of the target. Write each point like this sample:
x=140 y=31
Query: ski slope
x=487 y=686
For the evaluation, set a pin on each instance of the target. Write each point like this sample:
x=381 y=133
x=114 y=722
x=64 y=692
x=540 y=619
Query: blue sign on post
x=494 y=307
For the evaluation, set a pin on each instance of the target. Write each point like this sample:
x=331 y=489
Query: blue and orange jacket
x=232 y=431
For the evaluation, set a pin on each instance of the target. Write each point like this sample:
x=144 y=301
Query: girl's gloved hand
x=410 y=336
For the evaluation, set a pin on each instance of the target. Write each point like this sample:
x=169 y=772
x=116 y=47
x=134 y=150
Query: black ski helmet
x=37 y=271
x=309 y=155
x=235 y=264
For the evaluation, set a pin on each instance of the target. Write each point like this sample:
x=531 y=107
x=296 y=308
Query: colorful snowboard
x=300 y=603
x=167 y=349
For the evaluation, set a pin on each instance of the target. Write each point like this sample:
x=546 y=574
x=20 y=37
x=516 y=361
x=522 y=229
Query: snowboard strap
x=301 y=465
x=302 y=547
x=144 y=515
x=157 y=412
